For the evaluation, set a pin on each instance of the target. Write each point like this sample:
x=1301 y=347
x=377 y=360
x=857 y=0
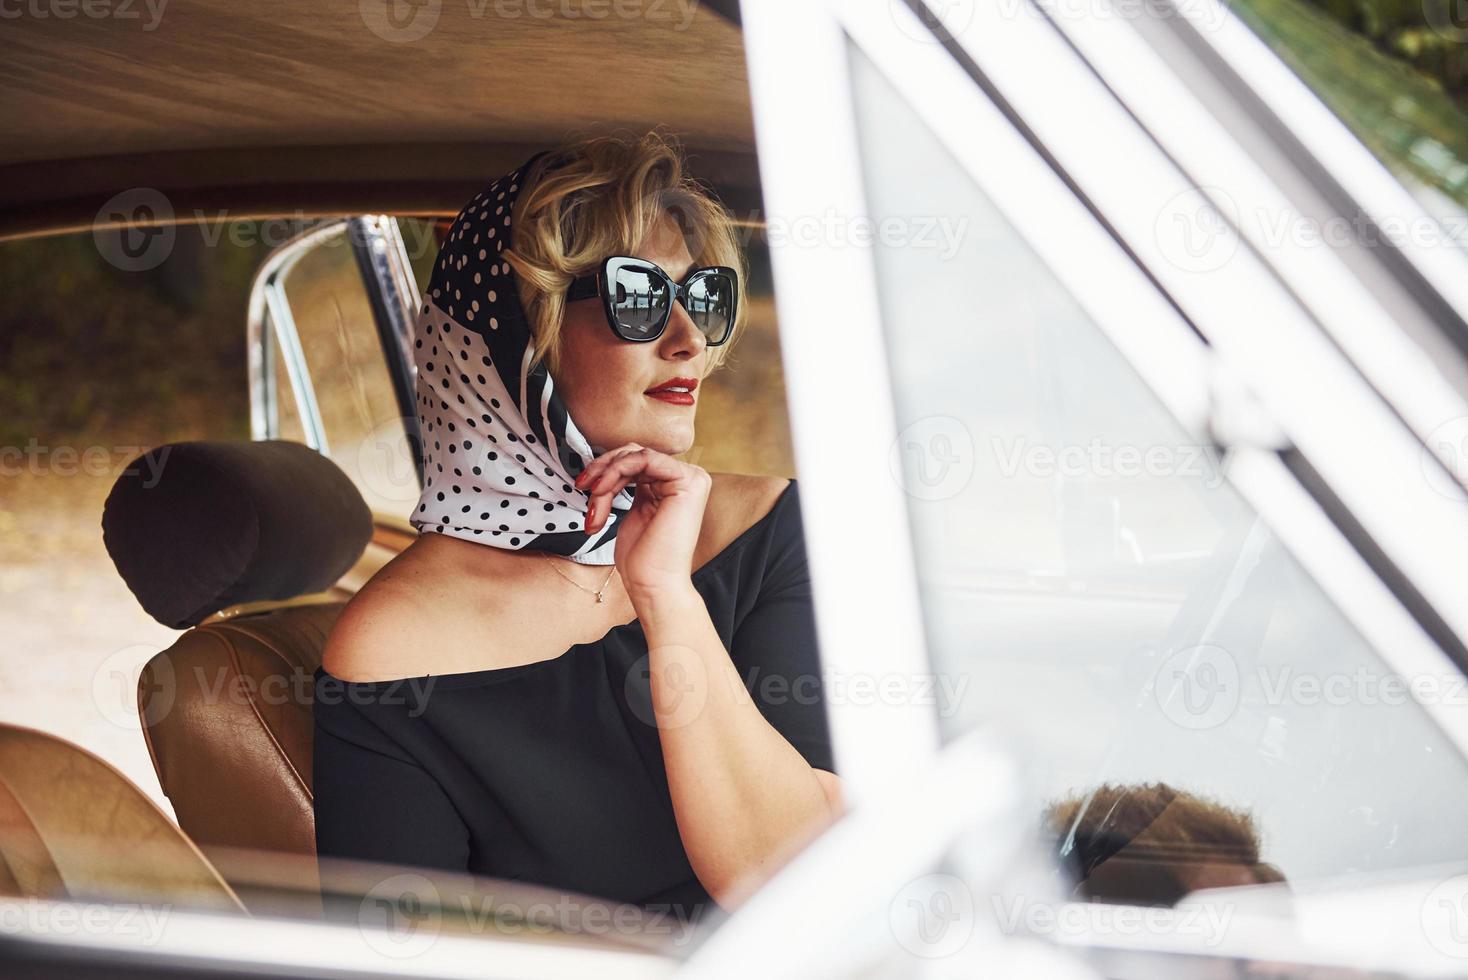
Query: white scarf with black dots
x=501 y=454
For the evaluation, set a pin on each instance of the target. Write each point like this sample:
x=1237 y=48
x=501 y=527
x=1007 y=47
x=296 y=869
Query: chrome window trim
x=842 y=420
x=1409 y=371
x=288 y=342
x=270 y=331
x=1363 y=450
x=392 y=292
x=387 y=274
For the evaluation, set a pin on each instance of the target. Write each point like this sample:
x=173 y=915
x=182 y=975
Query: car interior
x=250 y=549
x=1109 y=620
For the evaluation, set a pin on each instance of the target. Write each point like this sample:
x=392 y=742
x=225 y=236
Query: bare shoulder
x=381 y=623
x=738 y=501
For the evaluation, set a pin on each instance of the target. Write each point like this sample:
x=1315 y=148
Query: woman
x=595 y=668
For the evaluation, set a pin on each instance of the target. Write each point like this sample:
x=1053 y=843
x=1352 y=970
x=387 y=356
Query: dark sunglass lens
x=711 y=304
x=641 y=301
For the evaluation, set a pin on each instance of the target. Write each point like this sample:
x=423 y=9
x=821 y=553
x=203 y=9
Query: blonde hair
x=604 y=195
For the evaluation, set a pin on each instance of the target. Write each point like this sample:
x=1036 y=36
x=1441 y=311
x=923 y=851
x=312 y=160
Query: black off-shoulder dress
x=552 y=772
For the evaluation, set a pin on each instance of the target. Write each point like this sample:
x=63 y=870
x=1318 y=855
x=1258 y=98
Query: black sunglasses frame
x=587 y=286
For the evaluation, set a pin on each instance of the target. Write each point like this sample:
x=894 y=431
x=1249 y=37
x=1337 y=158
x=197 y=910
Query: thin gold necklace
x=596 y=592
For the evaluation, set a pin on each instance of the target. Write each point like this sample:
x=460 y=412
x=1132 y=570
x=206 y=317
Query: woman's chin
x=671 y=444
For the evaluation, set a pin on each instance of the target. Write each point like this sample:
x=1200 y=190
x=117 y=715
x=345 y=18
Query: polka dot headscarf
x=501 y=454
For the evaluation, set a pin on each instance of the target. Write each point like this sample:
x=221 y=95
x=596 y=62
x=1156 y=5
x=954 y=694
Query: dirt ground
x=76 y=637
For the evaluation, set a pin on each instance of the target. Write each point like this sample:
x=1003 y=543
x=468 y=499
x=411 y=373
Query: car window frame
x=271 y=334
x=1370 y=461
x=810 y=159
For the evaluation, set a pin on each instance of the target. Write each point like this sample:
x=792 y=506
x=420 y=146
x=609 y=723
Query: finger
x=607 y=482
x=645 y=465
x=585 y=478
x=655 y=473
x=598 y=482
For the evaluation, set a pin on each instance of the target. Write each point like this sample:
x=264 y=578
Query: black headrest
x=194 y=527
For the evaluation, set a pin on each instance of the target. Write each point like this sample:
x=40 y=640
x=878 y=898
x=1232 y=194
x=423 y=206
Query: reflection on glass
x=1090 y=583
x=641 y=299
x=1154 y=845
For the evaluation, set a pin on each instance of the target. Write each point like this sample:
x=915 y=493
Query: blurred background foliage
x=1394 y=71
x=1420 y=32
x=95 y=353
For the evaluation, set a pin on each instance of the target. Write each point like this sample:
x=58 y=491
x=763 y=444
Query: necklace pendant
x=599 y=598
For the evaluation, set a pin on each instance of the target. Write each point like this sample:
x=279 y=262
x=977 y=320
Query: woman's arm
x=744 y=798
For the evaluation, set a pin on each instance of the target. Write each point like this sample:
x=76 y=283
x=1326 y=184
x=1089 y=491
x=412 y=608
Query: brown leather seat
x=227 y=719
x=246 y=546
x=73 y=827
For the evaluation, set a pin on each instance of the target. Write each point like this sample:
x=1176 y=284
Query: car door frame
x=271 y=335
x=1343 y=490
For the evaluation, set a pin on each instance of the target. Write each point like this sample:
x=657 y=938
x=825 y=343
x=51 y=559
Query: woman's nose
x=682 y=332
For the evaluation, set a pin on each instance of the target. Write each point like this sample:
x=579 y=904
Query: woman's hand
x=656 y=539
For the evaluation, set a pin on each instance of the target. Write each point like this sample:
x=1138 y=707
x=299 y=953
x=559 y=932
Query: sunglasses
x=638 y=297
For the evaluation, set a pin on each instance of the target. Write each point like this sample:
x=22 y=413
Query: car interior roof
x=278 y=108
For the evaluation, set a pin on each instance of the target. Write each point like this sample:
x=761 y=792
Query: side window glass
x=288 y=424
x=322 y=330
x=1190 y=706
